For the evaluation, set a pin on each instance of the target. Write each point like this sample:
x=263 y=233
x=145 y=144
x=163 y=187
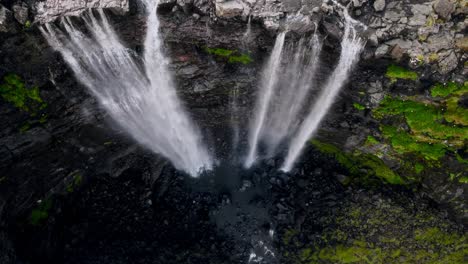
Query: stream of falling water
x=351 y=46
x=142 y=99
x=288 y=79
x=267 y=86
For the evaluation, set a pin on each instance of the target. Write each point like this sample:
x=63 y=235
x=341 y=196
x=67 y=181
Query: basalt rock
x=41 y=152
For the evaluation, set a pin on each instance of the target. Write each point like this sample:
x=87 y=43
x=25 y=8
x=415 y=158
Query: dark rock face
x=75 y=189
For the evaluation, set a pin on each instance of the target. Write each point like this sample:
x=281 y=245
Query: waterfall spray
x=351 y=46
x=141 y=99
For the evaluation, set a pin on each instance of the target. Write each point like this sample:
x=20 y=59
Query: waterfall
x=247 y=37
x=351 y=46
x=296 y=82
x=138 y=94
x=267 y=86
x=288 y=79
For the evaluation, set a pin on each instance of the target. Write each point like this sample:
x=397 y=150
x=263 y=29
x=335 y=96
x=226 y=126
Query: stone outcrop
x=50 y=10
x=6 y=20
x=229 y=9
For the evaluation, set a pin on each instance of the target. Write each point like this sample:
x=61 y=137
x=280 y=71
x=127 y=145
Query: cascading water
x=295 y=84
x=351 y=46
x=286 y=86
x=141 y=99
x=287 y=82
x=268 y=84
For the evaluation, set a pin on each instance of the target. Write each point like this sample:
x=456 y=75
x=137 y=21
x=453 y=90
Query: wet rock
x=7 y=253
x=343 y=179
x=229 y=9
x=202 y=6
x=381 y=51
x=448 y=63
x=6 y=20
x=21 y=12
x=439 y=42
x=379 y=5
x=397 y=52
x=186 y=5
x=444 y=8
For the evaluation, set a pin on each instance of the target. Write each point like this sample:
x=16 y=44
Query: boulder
x=448 y=62
x=186 y=5
x=229 y=9
x=379 y=5
x=444 y=8
x=462 y=43
x=6 y=20
x=21 y=12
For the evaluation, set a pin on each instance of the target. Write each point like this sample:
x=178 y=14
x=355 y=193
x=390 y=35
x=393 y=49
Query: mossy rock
x=14 y=91
x=231 y=56
x=395 y=72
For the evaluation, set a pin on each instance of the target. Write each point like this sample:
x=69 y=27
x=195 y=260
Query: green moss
x=243 y=58
x=288 y=236
x=40 y=214
x=77 y=179
x=3 y=179
x=463 y=179
x=418 y=168
x=433 y=57
x=444 y=90
x=219 y=52
x=25 y=127
x=425 y=121
x=357 y=162
x=13 y=90
x=403 y=143
x=27 y=24
x=390 y=244
x=371 y=140
x=359 y=106
x=435 y=236
x=232 y=56
x=396 y=72
x=381 y=170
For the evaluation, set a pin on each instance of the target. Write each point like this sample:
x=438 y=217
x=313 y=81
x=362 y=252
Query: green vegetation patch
x=77 y=180
x=371 y=140
x=444 y=90
x=232 y=56
x=451 y=93
x=359 y=106
x=357 y=163
x=403 y=143
x=41 y=213
x=382 y=232
x=396 y=72
x=426 y=121
x=14 y=90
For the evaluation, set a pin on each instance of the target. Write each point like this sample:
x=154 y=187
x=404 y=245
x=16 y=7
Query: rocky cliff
x=400 y=122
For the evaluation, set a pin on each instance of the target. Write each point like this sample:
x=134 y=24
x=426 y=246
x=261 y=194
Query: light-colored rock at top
x=379 y=5
x=50 y=10
x=229 y=9
x=444 y=8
